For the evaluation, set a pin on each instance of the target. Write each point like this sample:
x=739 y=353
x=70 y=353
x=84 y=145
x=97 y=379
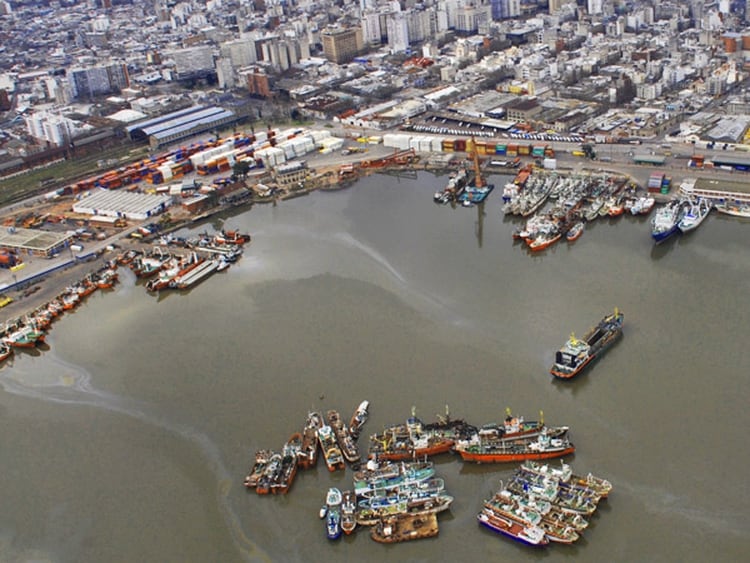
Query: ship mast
x=478 y=180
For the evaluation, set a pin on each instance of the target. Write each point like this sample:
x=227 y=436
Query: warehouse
x=181 y=124
x=34 y=242
x=128 y=205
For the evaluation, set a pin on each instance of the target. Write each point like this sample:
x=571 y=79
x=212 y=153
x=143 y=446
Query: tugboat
x=572 y=358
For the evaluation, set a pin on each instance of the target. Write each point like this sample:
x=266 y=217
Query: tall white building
x=51 y=127
x=398 y=32
x=371 y=30
x=241 y=52
x=594 y=6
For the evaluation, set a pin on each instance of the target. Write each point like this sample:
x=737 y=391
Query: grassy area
x=33 y=182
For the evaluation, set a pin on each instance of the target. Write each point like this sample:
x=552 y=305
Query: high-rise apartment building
x=95 y=81
x=342 y=45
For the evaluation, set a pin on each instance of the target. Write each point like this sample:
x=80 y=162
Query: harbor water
x=129 y=437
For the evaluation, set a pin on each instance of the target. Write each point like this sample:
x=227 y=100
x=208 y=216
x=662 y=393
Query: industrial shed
x=129 y=205
x=33 y=241
x=180 y=124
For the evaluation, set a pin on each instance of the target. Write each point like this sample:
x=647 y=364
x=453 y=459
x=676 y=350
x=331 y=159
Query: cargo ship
x=572 y=358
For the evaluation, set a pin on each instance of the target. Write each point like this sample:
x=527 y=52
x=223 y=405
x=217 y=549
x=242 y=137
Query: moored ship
x=694 y=214
x=358 y=419
x=308 y=455
x=572 y=358
x=405 y=527
x=331 y=452
x=262 y=457
x=417 y=440
x=504 y=451
x=664 y=223
x=513 y=528
x=345 y=441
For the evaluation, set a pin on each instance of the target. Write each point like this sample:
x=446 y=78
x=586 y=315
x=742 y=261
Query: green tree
x=240 y=169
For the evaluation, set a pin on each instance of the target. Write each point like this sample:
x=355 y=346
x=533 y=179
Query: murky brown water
x=128 y=440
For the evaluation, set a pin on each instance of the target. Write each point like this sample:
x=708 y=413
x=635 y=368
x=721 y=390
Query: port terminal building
x=720 y=191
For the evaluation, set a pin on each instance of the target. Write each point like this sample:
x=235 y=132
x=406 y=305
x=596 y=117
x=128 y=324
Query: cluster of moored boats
x=464 y=186
x=162 y=268
x=274 y=471
x=680 y=215
x=204 y=256
x=399 y=500
x=578 y=201
x=543 y=504
x=30 y=330
x=397 y=494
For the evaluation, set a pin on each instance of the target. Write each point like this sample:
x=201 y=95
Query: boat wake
x=74 y=387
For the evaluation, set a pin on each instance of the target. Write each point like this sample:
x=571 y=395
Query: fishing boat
x=694 y=214
x=24 y=337
x=231 y=237
x=565 y=488
x=415 y=440
x=174 y=268
x=344 y=439
x=405 y=527
x=572 y=358
x=513 y=528
x=331 y=452
x=106 y=279
x=642 y=205
x=512 y=428
x=308 y=455
x=5 y=351
x=544 y=240
x=147 y=266
x=407 y=475
x=358 y=419
x=543 y=447
x=348 y=512
x=664 y=223
x=456 y=183
x=575 y=232
x=370 y=516
x=550 y=490
x=289 y=456
x=262 y=458
x=334 y=498
x=565 y=474
x=736 y=209
x=270 y=474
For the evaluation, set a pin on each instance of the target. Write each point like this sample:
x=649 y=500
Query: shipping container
x=500 y=149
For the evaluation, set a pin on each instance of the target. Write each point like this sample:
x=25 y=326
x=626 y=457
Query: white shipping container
x=333 y=143
x=436 y=144
x=318 y=136
x=166 y=171
x=550 y=163
x=261 y=136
